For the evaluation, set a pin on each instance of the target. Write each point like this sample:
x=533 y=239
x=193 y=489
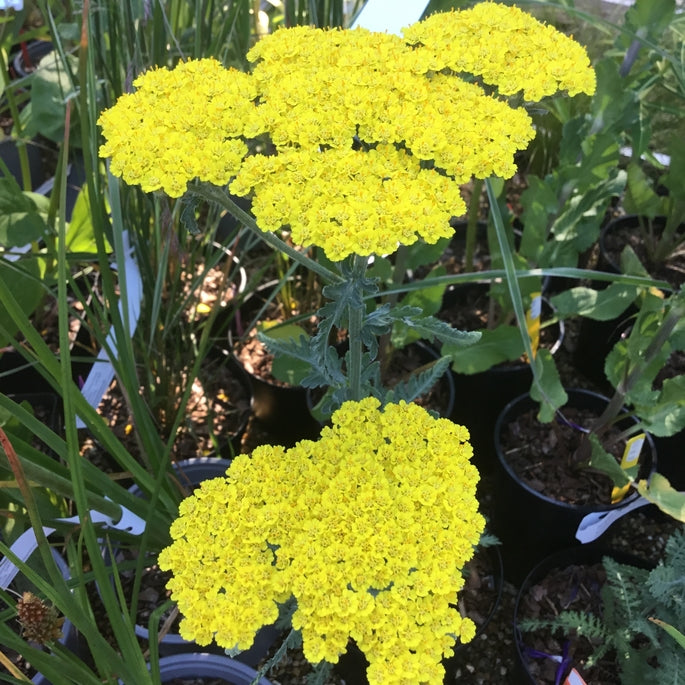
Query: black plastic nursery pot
x=9 y=153
x=534 y=665
x=211 y=668
x=482 y=396
x=531 y=524
x=190 y=473
x=29 y=55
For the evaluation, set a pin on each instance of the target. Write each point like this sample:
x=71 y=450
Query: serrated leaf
x=292 y=352
x=417 y=384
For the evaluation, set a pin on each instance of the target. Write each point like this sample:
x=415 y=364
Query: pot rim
x=576 y=508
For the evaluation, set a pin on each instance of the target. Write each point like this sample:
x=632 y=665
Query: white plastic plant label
x=389 y=16
x=593 y=525
x=102 y=373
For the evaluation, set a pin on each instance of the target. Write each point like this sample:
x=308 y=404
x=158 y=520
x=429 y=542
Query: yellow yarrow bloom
x=368 y=528
x=372 y=133
x=180 y=124
x=507 y=47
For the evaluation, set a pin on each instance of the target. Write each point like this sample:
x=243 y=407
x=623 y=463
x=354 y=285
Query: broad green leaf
x=665 y=416
x=495 y=346
x=674 y=179
x=21 y=228
x=80 y=237
x=660 y=492
x=50 y=88
x=599 y=305
x=640 y=197
x=421 y=253
x=652 y=15
x=25 y=277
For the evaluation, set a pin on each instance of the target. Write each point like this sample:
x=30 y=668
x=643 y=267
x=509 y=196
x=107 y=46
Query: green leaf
x=548 y=391
x=660 y=492
x=495 y=346
x=640 y=198
x=599 y=305
x=422 y=253
x=25 y=277
x=292 y=356
x=653 y=15
x=674 y=179
x=80 y=236
x=673 y=632
x=666 y=415
x=50 y=88
x=606 y=463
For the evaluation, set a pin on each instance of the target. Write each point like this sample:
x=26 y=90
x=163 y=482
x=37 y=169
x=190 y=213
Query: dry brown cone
x=39 y=621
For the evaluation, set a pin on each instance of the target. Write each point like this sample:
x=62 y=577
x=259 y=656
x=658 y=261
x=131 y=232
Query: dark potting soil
x=573 y=588
x=546 y=457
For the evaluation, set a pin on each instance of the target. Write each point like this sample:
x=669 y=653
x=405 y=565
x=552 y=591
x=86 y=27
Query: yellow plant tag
x=631 y=454
x=533 y=321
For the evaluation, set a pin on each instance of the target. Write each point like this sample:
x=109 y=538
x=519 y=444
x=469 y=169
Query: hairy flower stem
x=355 y=319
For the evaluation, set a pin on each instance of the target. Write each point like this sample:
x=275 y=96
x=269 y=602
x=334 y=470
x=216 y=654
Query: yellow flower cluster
x=180 y=124
x=507 y=47
x=368 y=528
x=381 y=197
x=370 y=130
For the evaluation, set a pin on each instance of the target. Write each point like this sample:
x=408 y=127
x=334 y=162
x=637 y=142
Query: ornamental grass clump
x=368 y=529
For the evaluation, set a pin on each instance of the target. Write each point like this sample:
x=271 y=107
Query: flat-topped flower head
x=507 y=47
x=368 y=528
x=369 y=134
x=180 y=124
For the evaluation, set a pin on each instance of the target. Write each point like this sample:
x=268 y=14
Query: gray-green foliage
x=631 y=598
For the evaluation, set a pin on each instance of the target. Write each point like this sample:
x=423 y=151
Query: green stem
x=472 y=224
x=391 y=297
x=355 y=320
x=221 y=197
